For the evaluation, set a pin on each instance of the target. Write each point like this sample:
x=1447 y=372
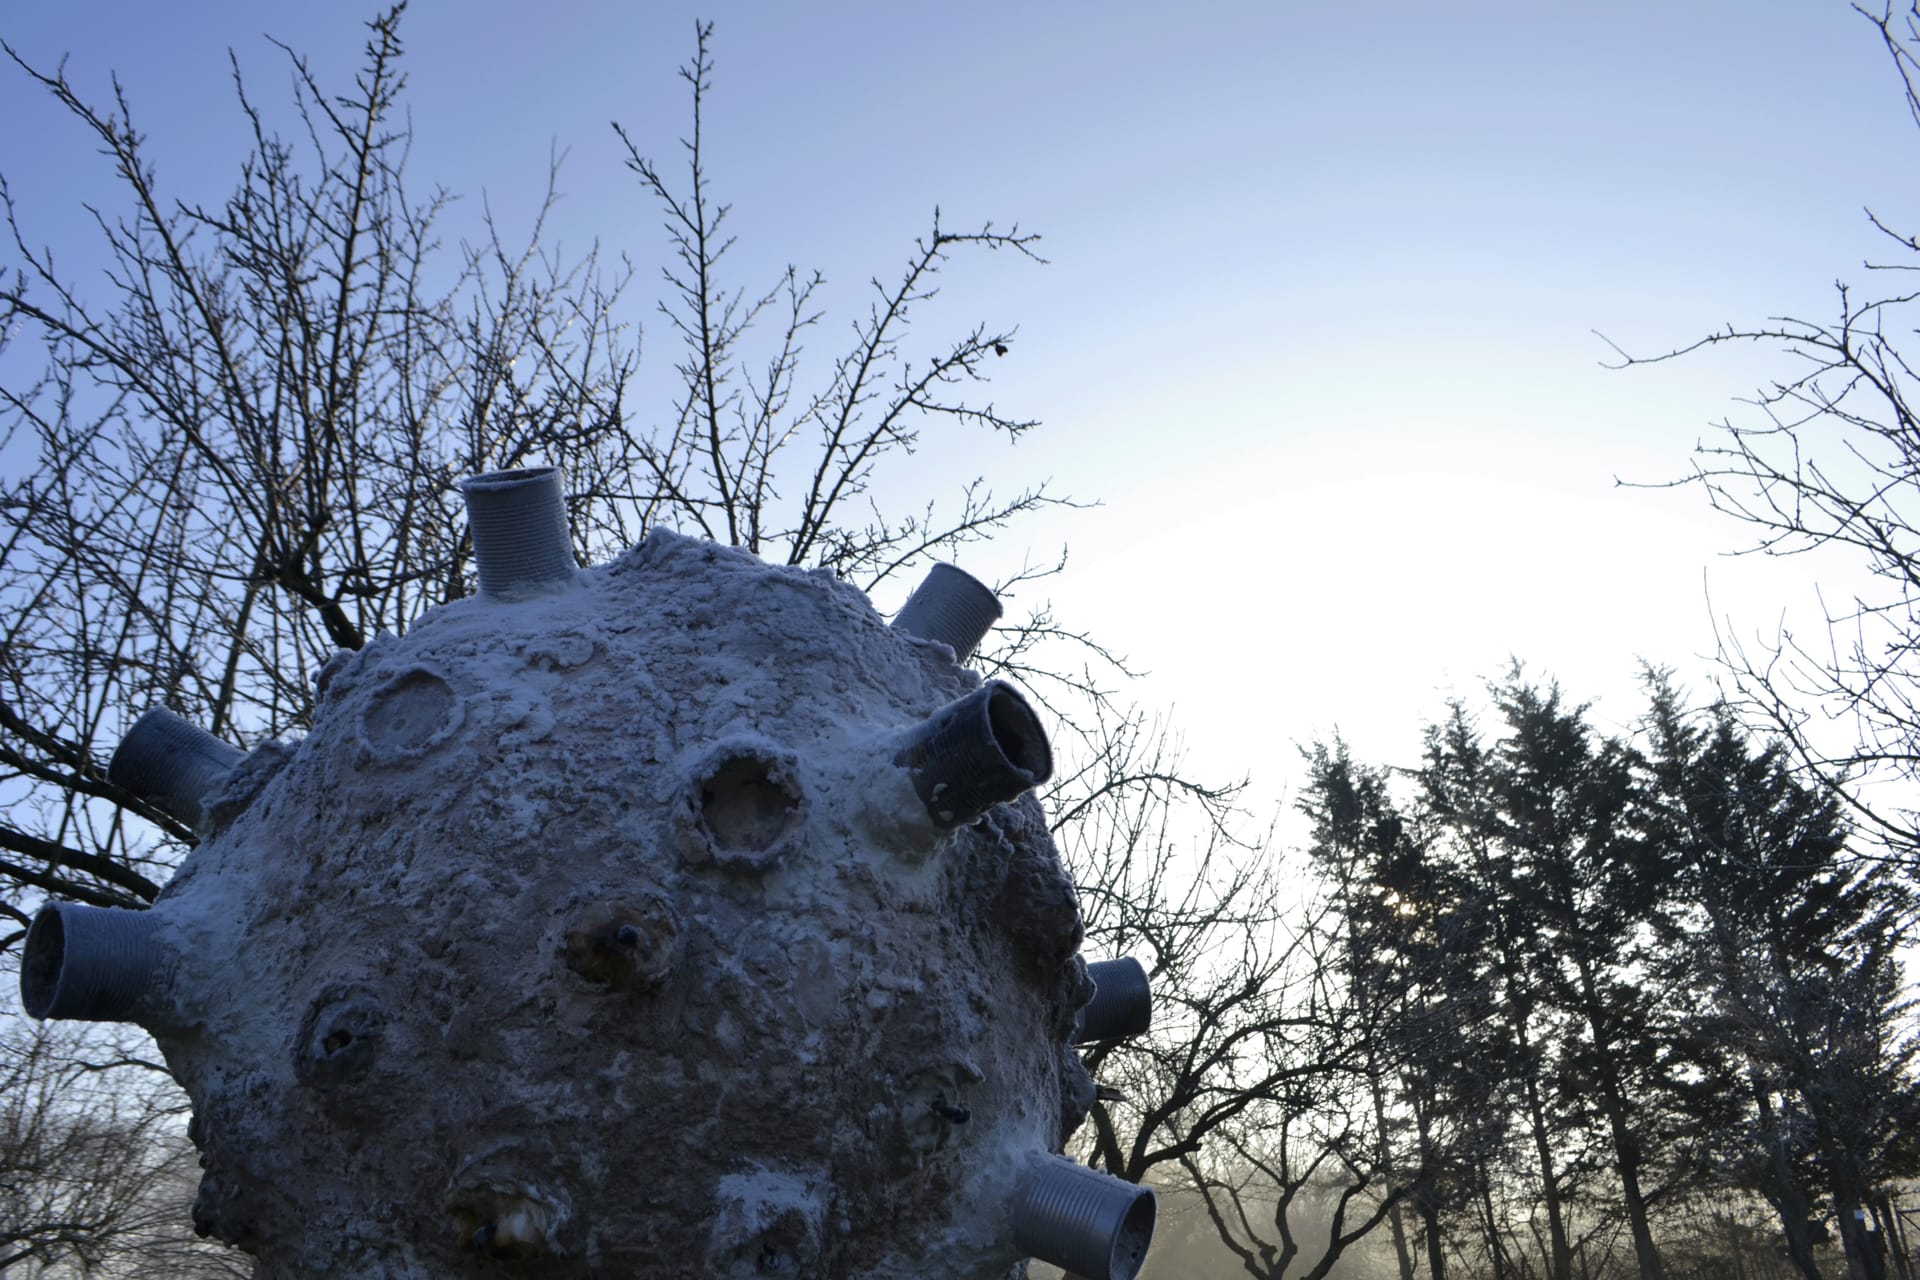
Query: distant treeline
x=1614 y=1004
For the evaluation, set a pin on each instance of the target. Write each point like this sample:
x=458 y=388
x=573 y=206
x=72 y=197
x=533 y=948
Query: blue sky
x=1317 y=328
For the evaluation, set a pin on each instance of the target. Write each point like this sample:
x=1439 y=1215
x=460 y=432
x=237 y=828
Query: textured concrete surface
x=595 y=933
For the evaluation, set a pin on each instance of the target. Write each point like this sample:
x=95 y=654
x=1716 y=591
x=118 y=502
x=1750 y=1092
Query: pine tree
x=1793 y=942
x=1413 y=957
x=1551 y=819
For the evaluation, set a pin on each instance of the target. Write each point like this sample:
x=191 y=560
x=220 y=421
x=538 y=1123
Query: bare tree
x=1203 y=911
x=243 y=454
x=244 y=457
x=745 y=434
x=1249 y=1096
x=96 y=1172
x=1828 y=462
x=241 y=457
x=1292 y=1191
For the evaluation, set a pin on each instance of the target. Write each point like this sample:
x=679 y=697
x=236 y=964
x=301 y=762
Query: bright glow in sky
x=1318 y=324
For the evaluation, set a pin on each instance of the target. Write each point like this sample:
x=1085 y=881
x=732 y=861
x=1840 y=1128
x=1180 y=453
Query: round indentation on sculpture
x=506 y=1218
x=564 y=651
x=626 y=945
x=767 y=1222
x=744 y=807
x=411 y=714
x=341 y=1037
x=933 y=1103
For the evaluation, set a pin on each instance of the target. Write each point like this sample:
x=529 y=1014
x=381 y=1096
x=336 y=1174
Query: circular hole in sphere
x=413 y=712
x=746 y=807
x=627 y=945
x=341 y=1038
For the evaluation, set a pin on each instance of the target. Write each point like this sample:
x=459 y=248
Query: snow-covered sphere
x=642 y=920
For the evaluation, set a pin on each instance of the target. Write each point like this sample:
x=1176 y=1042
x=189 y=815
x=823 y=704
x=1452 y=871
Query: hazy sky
x=1318 y=324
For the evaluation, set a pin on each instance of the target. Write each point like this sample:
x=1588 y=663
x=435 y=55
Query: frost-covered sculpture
x=675 y=917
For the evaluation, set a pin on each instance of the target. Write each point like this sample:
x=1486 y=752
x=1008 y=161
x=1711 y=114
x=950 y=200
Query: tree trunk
x=1562 y=1259
x=1436 y=1252
x=1429 y=1199
x=1496 y=1248
x=1788 y=1200
x=1865 y=1261
x=1626 y=1148
x=1626 y=1151
x=1394 y=1220
x=1892 y=1245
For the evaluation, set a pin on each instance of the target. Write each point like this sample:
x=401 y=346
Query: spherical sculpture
x=675 y=917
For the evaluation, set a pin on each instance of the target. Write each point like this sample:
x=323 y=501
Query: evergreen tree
x=1412 y=953
x=1792 y=942
x=1457 y=795
x=1551 y=818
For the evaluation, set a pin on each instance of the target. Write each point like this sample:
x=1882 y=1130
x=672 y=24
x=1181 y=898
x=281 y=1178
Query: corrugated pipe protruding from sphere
x=172 y=763
x=1122 y=1003
x=96 y=964
x=976 y=752
x=1085 y=1222
x=519 y=524
x=951 y=606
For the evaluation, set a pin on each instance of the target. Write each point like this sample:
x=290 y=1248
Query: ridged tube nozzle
x=1085 y=1222
x=976 y=752
x=519 y=524
x=172 y=763
x=951 y=606
x=95 y=964
x=1122 y=1003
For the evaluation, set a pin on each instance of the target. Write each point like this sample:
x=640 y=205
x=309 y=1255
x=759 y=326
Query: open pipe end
x=41 y=962
x=950 y=606
x=520 y=534
x=172 y=763
x=976 y=752
x=1122 y=1003
x=93 y=964
x=1085 y=1222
